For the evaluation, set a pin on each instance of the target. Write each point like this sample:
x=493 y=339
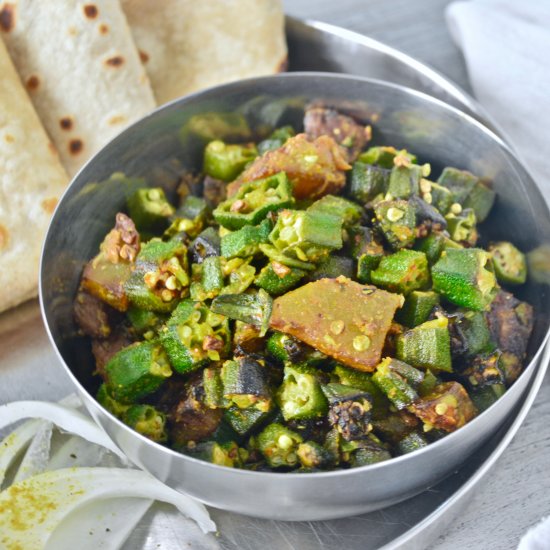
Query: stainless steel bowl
x=157 y=146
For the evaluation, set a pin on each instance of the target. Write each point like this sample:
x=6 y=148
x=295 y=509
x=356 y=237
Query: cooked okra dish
x=307 y=302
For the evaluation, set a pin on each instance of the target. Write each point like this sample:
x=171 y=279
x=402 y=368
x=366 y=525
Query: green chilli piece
x=397 y=222
x=300 y=396
x=253 y=201
x=465 y=277
x=194 y=335
x=149 y=209
x=246 y=241
x=137 y=371
x=417 y=307
x=367 y=182
x=402 y=272
x=383 y=156
x=147 y=421
x=395 y=386
x=277 y=278
x=279 y=445
x=349 y=212
x=308 y=236
x=427 y=346
x=225 y=162
x=509 y=263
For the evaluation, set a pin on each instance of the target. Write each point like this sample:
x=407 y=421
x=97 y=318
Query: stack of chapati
x=90 y=68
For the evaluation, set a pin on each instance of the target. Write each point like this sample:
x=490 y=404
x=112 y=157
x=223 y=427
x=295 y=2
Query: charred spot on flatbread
x=117 y=119
x=90 y=11
x=32 y=83
x=75 y=146
x=8 y=138
x=66 y=123
x=144 y=56
x=3 y=237
x=115 y=61
x=103 y=28
x=7 y=17
x=49 y=205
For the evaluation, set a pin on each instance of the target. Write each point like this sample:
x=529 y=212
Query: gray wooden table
x=517 y=494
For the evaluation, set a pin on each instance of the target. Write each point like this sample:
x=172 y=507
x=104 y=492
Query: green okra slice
x=484 y=396
x=276 y=255
x=149 y=209
x=366 y=182
x=474 y=332
x=484 y=370
x=253 y=309
x=465 y=277
x=462 y=225
x=417 y=307
x=143 y=321
x=246 y=241
x=279 y=445
x=402 y=272
x=459 y=182
x=147 y=421
x=365 y=452
x=305 y=235
x=331 y=267
x=300 y=395
x=480 y=200
x=160 y=276
x=384 y=155
x=411 y=442
x=405 y=180
x=276 y=139
x=348 y=211
x=509 y=263
x=427 y=346
x=253 y=201
x=225 y=161
x=440 y=197
x=245 y=384
x=362 y=240
x=207 y=243
x=350 y=410
x=189 y=218
x=397 y=222
x=395 y=386
x=276 y=278
x=213 y=388
x=238 y=275
x=244 y=421
x=223 y=454
x=284 y=348
x=314 y=455
x=394 y=426
x=105 y=399
x=434 y=244
x=194 y=335
x=136 y=371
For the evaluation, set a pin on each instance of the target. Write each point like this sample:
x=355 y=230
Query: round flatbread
x=188 y=45
x=31 y=182
x=81 y=68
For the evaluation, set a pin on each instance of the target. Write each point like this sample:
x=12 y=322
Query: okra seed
x=428 y=198
x=310 y=158
x=284 y=442
x=171 y=283
x=186 y=331
x=329 y=340
x=456 y=208
x=361 y=342
x=337 y=327
x=154 y=195
x=441 y=408
x=425 y=186
x=394 y=214
x=166 y=295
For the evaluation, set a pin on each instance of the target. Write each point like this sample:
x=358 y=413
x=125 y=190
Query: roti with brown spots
x=31 y=182
x=188 y=45
x=81 y=69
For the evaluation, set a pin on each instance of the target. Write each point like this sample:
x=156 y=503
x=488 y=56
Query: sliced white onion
x=37 y=456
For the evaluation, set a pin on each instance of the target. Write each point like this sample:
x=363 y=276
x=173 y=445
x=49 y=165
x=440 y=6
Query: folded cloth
x=506 y=44
x=538 y=537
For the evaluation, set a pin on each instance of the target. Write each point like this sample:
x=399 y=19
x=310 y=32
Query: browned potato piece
x=315 y=168
x=339 y=317
x=448 y=407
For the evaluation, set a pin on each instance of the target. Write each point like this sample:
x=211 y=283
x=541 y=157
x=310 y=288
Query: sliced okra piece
x=429 y=383
x=366 y=264
x=300 y=396
x=434 y=244
x=137 y=371
x=395 y=386
x=428 y=218
x=350 y=410
x=247 y=339
x=206 y=244
x=225 y=161
x=370 y=451
x=190 y=218
x=246 y=241
x=223 y=454
x=274 y=254
x=397 y=222
x=474 y=333
x=208 y=279
x=411 y=442
x=480 y=200
x=306 y=235
x=465 y=277
x=459 y=182
x=314 y=455
x=405 y=179
x=276 y=139
x=105 y=399
x=279 y=445
x=394 y=426
x=402 y=272
x=245 y=384
x=362 y=240
x=332 y=267
x=366 y=182
x=462 y=225
x=448 y=407
x=143 y=321
x=349 y=212
x=213 y=388
x=253 y=309
x=243 y=421
x=238 y=275
x=384 y=156
x=253 y=201
x=509 y=262
x=284 y=347
x=194 y=335
x=417 y=307
x=160 y=277
x=147 y=421
x=277 y=278
x=427 y=346
x=485 y=396
x=441 y=197
x=150 y=209
x=484 y=370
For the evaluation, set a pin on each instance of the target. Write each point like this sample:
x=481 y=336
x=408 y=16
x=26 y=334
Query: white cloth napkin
x=506 y=44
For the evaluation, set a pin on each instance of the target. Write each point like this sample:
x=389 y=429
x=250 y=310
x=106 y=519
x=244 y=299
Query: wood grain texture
x=515 y=495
